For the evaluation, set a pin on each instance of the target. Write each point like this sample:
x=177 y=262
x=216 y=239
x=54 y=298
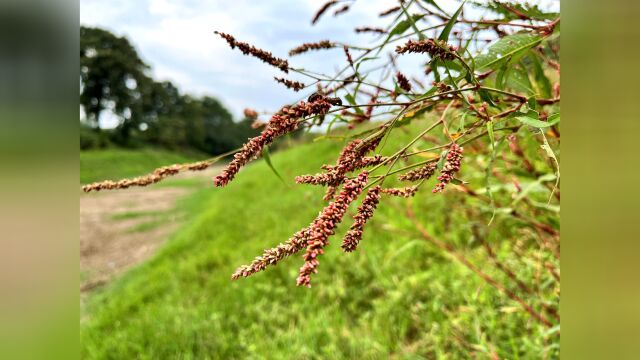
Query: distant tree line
x=114 y=78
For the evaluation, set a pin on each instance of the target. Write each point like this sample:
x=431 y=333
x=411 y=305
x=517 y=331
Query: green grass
x=115 y=164
x=395 y=297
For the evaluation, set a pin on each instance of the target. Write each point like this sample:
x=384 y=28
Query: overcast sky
x=175 y=37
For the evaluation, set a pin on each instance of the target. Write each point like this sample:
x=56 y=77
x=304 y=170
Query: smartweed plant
x=487 y=91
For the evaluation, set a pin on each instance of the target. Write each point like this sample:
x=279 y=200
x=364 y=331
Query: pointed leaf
x=508 y=48
x=404 y=25
x=444 y=35
x=527 y=120
x=267 y=158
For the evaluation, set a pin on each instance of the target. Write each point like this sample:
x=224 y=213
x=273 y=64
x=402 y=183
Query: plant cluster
x=493 y=80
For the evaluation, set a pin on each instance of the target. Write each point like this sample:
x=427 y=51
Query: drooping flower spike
x=283 y=122
x=325 y=224
x=451 y=166
x=248 y=49
x=365 y=212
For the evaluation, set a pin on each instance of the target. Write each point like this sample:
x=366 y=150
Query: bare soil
x=111 y=239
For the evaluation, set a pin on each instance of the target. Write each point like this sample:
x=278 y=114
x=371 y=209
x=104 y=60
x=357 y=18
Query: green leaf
x=508 y=48
x=432 y=2
x=404 y=25
x=502 y=76
x=267 y=158
x=444 y=35
x=491 y=134
x=457 y=181
x=533 y=185
x=519 y=80
x=547 y=148
x=352 y=101
x=412 y=22
x=485 y=96
x=543 y=84
x=531 y=121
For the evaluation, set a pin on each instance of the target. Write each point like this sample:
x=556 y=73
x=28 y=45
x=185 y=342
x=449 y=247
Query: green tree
x=111 y=72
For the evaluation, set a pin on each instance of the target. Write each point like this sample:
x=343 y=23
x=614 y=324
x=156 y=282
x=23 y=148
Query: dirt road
x=120 y=228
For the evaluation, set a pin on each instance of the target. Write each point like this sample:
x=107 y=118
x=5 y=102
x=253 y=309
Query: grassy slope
x=395 y=297
x=114 y=164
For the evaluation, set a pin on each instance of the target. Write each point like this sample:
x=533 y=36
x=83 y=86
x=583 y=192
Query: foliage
x=395 y=297
x=114 y=77
x=467 y=268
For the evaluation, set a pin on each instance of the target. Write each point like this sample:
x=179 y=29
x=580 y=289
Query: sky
x=175 y=37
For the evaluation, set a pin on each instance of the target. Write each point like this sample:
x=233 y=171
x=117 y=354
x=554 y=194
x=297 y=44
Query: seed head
x=363 y=29
x=324 y=44
x=423 y=172
x=403 y=82
x=389 y=11
x=325 y=224
x=248 y=49
x=406 y=192
x=294 y=85
x=322 y=10
x=283 y=122
x=451 y=166
x=365 y=212
x=435 y=48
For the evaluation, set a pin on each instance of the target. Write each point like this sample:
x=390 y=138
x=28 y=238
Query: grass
x=396 y=297
x=114 y=163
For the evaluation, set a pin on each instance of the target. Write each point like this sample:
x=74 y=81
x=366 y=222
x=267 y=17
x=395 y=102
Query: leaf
x=527 y=189
x=502 y=76
x=485 y=96
x=352 y=101
x=547 y=148
x=404 y=25
x=444 y=35
x=267 y=158
x=412 y=22
x=542 y=82
x=432 y=2
x=508 y=48
x=457 y=181
x=491 y=135
x=335 y=118
x=528 y=120
x=519 y=80
x=489 y=169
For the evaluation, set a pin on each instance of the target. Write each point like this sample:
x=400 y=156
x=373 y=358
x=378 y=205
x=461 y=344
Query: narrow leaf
x=508 y=48
x=267 y=158
x=537 y=123
x=444 y=35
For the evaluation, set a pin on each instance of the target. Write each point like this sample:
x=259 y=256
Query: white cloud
x=176 y=38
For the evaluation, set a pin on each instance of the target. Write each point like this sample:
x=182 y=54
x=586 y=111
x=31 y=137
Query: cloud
x=176 y=38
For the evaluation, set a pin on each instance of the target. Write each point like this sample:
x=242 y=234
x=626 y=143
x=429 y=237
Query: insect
x=332 y=100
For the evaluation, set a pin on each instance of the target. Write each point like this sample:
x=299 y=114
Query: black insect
x=336 y=101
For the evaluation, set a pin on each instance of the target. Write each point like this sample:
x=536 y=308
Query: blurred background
x=158 y=314
x=159 y=87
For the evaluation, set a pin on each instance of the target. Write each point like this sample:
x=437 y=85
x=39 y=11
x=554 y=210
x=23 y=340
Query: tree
x=112 y=75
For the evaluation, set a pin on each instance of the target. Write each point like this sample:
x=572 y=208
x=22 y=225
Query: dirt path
x=119 y=229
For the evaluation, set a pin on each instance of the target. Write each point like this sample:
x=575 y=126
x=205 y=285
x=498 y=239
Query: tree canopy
x=115 y=78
